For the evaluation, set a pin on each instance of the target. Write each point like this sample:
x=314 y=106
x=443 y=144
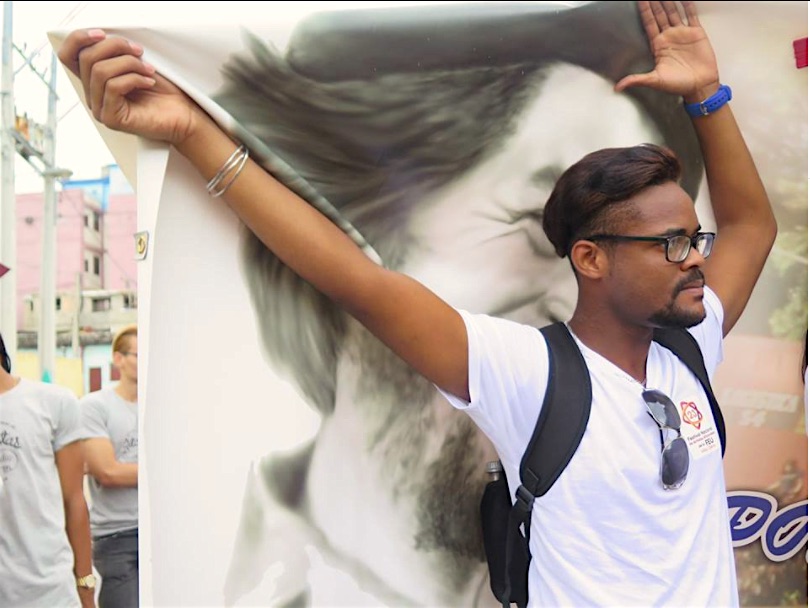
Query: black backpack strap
x=516 y=564
x=559 y=429
x=557 y=433
x=686 y=348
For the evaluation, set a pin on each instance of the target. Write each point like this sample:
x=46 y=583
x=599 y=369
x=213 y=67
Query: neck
x=624 y=345
x=7 y=381
x=127 y=390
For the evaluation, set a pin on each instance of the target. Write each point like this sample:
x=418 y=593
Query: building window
x=130 y=300
x=86 y=265
x=96 y=265
x=58 y=303
x=101 y=304
x=91 y=217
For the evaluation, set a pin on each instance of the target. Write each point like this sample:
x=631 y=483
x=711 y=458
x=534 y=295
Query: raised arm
x=126 y=94
x=746 y=228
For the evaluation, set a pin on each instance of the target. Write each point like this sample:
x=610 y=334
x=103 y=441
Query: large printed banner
x=288 y=457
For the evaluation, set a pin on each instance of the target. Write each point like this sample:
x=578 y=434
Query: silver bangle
x=225 y=167
x=230 y=171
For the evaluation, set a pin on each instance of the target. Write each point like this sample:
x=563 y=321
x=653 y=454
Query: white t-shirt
x=36 y=560
x=107 y=415
x=608 y=533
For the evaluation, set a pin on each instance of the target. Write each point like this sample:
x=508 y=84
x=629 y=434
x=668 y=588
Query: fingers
x=73 y=45
x=673 y=16
x=635 y=80
x=660 y=16
x=94 y=58
x=115 y=76
x=691 y=13
x=112 y=110
x=648 y=20
x=97 y=63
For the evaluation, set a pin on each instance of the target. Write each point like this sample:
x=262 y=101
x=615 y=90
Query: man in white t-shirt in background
x=45 y=557
x=110 y=423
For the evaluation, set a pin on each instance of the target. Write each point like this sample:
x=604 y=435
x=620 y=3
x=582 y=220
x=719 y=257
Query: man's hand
x=87 y=597
x=124 y=92
x=684 y=60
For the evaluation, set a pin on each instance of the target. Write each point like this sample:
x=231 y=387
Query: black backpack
x=556 y=436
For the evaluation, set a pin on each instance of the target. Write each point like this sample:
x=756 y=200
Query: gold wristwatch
x=86 y=582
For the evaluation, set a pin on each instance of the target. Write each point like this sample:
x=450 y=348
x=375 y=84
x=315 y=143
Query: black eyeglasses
x=129 y=353
x=675 y=453
x=677 y=246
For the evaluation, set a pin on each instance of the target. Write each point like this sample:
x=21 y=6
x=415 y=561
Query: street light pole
x=47 y=288
x=8 y=203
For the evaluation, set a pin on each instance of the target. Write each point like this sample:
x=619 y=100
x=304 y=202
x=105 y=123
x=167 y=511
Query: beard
x=675 y=316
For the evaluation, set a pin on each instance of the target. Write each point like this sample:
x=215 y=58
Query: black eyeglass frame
x=675 y=452
x=698 y=240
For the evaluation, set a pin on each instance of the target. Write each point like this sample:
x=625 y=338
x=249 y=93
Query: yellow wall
x=68 y=371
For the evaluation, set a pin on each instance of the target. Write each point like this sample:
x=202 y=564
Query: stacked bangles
x=220 y=183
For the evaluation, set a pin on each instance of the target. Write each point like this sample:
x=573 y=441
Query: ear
x=589 y=260
x=116 y=359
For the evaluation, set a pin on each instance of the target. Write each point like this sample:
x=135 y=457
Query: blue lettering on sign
x=754 y=515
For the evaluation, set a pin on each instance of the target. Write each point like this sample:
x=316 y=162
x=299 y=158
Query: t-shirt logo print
x=129 y=446
x=691 y=414
x=9 y=446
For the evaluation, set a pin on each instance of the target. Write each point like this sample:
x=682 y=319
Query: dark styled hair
x=588 y=197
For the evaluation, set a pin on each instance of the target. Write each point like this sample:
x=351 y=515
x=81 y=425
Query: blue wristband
x=712 y=104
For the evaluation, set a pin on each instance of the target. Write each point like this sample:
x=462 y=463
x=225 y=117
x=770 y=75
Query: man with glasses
x=110 y=421
x=635 y=519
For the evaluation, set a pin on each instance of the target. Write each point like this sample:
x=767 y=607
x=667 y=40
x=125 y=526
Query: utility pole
x=8 y=203
x=40 y=153
x=47 y=288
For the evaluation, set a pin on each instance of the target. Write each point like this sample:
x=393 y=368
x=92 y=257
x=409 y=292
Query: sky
x=79 y=147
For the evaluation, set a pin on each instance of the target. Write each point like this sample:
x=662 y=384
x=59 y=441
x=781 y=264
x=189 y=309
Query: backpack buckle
x=524 y=500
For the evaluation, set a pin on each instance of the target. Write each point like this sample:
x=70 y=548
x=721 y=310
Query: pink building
x=95 y=250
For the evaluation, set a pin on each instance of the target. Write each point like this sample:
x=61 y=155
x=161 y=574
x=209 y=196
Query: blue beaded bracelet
x=712 y=104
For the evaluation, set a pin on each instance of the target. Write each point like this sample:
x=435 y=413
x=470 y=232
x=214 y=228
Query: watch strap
x=710 y=104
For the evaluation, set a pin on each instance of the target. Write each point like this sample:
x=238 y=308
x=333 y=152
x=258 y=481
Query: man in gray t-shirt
x=110 y=424
x=44 y=531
